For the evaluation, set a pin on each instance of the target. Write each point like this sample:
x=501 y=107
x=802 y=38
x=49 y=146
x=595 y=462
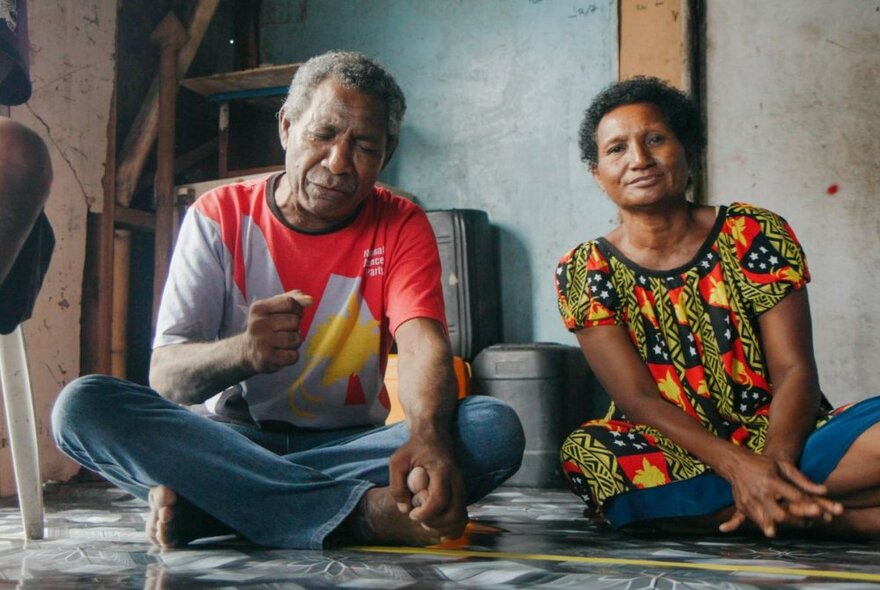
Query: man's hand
x=440 y=507
x=272 y=338
x=770 y=492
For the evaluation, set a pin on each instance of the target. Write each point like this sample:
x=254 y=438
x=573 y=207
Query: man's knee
x=85 y=401
x=496 y=425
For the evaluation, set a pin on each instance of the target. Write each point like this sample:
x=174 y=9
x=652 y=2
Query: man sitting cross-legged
x=284 y=295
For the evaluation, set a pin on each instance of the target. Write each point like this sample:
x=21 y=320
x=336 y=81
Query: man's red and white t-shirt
x=367 y=278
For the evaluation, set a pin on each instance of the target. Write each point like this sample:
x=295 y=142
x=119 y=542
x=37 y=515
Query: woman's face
x=640 y=161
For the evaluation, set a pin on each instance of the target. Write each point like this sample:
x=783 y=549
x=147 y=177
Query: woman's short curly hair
x=679 y=110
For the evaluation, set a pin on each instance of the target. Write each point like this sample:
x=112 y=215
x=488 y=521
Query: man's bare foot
x=377 y=521
x=173 y=521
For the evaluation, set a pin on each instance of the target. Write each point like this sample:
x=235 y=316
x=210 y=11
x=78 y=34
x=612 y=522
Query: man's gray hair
x=353 y=70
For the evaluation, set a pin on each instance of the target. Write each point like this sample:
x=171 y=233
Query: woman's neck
x=663 y=240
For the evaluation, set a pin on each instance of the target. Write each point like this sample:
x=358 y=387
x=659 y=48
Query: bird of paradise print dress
x=696 y=329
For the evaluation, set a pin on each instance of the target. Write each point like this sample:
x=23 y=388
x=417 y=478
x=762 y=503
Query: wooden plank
x=143 y=131
x=665 y=52
x=105 y=262
x=170 y=35
x=135 y=219
x=253 y=79
x=97 y=298
x=121 y=297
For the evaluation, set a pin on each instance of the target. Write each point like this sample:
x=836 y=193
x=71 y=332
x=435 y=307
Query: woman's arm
x=760 y=492
x=623 y=374
x=787 y=341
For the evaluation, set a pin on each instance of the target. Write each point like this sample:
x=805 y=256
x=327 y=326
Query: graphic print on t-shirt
x=340 y=354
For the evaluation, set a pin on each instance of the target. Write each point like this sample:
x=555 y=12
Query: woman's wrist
x=789 y=453
x=731 y=462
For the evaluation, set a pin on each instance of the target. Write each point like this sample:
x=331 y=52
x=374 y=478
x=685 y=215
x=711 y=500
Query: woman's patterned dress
x=696 y=328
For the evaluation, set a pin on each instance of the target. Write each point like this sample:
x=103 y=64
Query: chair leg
x=22 y=427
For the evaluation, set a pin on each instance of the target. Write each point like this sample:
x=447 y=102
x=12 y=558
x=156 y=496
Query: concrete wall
x=72 y=71
x=496 y=90
x=792 y=100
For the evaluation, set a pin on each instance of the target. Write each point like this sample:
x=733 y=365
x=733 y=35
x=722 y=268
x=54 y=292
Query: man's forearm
x=427 y=380
x=193 y=372
x=428 y=398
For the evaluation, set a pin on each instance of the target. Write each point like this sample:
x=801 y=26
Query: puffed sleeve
x=770 y=262
x=584 y=292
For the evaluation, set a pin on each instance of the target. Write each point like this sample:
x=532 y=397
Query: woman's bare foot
x=173 y=521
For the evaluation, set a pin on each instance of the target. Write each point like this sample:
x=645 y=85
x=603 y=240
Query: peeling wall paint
x=792 y=110
x=72 y=72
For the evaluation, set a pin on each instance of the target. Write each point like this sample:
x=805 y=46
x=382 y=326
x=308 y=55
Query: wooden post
x=223 y=141
x=170 y=36
x=665 y=52
x=98 y=278
x=107 y=254
x=121 y=297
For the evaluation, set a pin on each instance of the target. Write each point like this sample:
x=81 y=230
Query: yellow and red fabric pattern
x=696 y=329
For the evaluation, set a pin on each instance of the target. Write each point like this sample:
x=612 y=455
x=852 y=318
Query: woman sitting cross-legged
x=696 y=321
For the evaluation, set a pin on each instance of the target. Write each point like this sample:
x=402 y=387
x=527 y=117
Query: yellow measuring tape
x=754 y=569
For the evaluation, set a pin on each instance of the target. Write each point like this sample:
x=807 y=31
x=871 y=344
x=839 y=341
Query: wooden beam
x=121 y=298
x=267 y=77
x=105 y=263
x=143 y=131
x=655 y=40
x=170 y=36
x=184 y=162
x=135 y=219
x=98 y=277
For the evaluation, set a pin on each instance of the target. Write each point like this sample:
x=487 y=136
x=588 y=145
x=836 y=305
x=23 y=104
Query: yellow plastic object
x=462 y=375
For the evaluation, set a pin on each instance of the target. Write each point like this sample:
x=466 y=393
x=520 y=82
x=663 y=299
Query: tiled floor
x=519 y=538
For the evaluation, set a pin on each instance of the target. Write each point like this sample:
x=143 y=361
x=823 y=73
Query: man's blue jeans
x=279 y=489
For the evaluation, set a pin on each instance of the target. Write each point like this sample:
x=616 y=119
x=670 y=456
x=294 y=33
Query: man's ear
x=283 y=127
x=389 y=149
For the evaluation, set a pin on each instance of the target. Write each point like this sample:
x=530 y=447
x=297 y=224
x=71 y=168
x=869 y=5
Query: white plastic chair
x=22 y=427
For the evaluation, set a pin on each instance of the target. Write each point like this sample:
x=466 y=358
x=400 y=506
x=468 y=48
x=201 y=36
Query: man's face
x=333 y=154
